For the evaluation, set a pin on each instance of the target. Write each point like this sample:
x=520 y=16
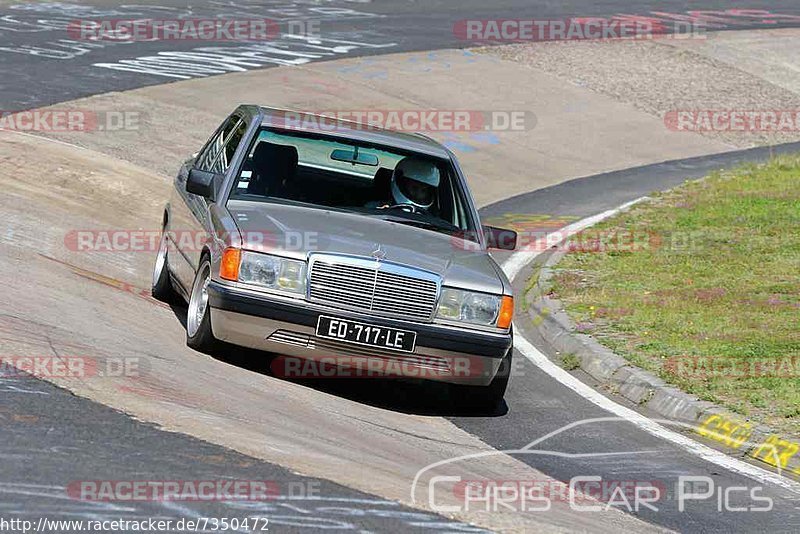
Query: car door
x=190 y=224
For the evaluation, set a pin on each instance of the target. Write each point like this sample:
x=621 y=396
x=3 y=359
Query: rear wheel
x=484 y=398
x=199 y=335
x=161 y=288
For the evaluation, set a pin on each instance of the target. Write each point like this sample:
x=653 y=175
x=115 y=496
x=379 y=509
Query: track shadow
x=417 y=397
x=180 y=310
x=408 y=396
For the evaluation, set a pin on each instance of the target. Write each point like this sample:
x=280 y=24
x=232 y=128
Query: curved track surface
x=38 y=50
x=365 y=436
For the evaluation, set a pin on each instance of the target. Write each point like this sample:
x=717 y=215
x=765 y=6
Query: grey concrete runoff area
x=366 y=456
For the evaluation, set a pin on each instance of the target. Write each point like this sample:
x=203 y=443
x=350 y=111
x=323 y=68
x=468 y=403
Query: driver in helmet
x=414 y=184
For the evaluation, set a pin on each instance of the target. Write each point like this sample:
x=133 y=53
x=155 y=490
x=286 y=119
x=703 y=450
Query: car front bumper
x=287 y=327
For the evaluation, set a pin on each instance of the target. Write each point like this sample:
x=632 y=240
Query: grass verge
x=702 y=287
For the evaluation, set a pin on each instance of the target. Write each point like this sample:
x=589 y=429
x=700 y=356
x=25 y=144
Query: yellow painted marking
x=729 y=432
x=777 y=452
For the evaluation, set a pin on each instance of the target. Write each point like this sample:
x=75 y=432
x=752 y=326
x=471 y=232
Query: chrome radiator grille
x=380 y=288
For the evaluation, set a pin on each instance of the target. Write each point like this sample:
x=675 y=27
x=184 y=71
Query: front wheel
x=199 y=335
x=484 y=398
x=161 y=288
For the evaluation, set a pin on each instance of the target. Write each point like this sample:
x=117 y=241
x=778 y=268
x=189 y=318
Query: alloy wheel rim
x=198 y=304
x=161 y=260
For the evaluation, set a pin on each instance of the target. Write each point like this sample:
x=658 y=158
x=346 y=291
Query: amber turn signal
x=506 y=312
x=229 y=266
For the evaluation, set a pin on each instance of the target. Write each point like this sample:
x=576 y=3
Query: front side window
x=223 y=161
x=214 y=147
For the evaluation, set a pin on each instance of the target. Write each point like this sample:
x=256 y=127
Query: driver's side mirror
x=201 y=183
x=500 y=238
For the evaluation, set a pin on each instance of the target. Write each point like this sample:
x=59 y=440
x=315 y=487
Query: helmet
x=415 y=182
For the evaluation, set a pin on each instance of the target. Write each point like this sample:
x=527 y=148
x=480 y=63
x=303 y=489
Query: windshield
x=411 y=189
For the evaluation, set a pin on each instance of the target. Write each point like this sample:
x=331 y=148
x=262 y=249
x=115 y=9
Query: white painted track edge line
x=515 y=264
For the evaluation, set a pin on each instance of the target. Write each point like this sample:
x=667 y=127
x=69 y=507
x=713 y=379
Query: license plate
x=366 y=334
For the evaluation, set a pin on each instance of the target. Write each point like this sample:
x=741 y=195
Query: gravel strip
x=657 y=78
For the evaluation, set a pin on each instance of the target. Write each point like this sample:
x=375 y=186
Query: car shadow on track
x=414 y=397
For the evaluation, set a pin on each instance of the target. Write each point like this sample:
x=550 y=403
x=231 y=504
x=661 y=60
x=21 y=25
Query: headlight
x=273 y=272
x=469 y=307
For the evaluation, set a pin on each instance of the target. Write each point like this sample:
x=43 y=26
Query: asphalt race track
x=51 y=437
x=36 y=45
x=556 y=407
x=44 y=447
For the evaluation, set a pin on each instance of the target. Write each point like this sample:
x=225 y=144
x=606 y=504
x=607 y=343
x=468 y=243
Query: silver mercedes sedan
x=347 y=250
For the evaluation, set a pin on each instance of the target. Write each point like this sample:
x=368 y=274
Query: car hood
x=297 y=231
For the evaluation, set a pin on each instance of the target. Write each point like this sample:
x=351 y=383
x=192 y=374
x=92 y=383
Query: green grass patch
x=705 y=292
x=570 y=362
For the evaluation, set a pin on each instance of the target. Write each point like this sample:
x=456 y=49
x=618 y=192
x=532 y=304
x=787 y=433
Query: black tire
x=162 y=288
x=199 y=334
x=484 y=399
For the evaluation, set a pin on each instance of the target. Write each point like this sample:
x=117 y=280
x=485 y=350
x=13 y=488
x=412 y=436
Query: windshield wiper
x=419 y=223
